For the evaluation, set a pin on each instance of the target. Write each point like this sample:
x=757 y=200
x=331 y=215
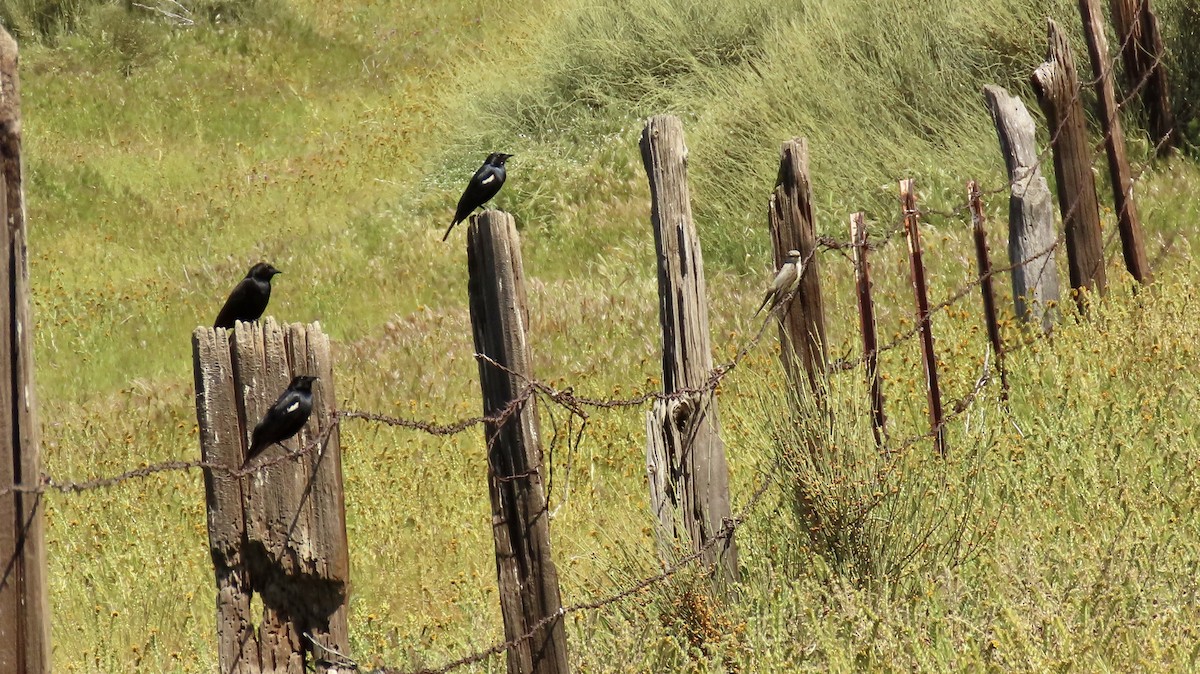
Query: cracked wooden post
x=908 y=201
x=983 y=257
x=526 y=574
x=802 y=321
x=1057 y=85
x=24 y=600
x=1130 y=225
x=1140 y=43
x=866 y=322
x=691 y=453
x=279 y=531
x=1031 y=230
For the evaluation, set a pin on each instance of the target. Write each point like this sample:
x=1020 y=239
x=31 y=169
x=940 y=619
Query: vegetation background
x=333 y=139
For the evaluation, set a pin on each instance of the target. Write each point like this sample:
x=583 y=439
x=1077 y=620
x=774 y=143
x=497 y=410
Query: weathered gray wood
x=984 y=259
x=1030 y=212
x=525 y=569
x=1140 y=43
x=702 y=489
x=279 y=531
x=802 y=322
x=1056 y=83
x=661 y=474
x=866 y=322
x=908 y=201
x=24 y=601
x=1130 y=225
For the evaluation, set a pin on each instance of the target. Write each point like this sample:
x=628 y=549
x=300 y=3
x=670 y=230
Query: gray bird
x=785 y=281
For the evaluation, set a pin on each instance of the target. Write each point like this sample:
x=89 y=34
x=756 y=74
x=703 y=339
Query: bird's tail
x=447 y=234
x=766 y=299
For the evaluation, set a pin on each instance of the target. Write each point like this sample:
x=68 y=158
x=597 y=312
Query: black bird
x=249 y=298
x=483 y=186
x=285 y=418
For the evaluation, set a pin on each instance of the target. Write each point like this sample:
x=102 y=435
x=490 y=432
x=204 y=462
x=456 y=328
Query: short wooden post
x=1031 y=230
x=24 y=601
x=1057 y=85
x=694 y=450
x=1141 y=46
x=866 y=321
x=1128 y=222
x=908 y=201
x=280 y=530
x=527 y=576
x=983 y=257
x=802 y=327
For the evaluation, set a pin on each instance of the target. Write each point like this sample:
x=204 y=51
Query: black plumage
x=249 y=298
x=285 y=418
x=483 y=186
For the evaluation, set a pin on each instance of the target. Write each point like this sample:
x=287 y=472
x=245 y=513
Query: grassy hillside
x=334 y=139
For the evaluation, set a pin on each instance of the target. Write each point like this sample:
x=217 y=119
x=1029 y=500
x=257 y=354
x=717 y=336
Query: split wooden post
x=280 y=530
x=802 y=322
x=1057 y=85
x=908 y=201
x=866 y=321
x=1031 y=231
x=688 y=449
x=525 y=569
x=983 y=257
x=1130 y=225
x=1141 y=46
x=24 y=600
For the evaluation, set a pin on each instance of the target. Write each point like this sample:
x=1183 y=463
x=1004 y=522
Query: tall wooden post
x=984 y=259
x=908 y=201
x=24 y=601
x=527 y=576
x=280 y=530
x=1128 y=221
x=1141 y=46
x=691 y=445
x=1057 y=85
x=1031 y=228
x=866 y=321
x=802 y=326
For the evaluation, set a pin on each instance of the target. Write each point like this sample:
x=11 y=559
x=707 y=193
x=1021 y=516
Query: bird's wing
x=226 y=318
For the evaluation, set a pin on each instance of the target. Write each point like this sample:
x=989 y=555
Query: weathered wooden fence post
x=24 y=600
x=866 y=320
x=1057 y=85
x=688 y=449
x=527 y=576
x=1141 y=45
x=802 y=328
x=984 y=259
x=280 y=530
x=1128 y=221
x=908 y=201
x=1031 y=228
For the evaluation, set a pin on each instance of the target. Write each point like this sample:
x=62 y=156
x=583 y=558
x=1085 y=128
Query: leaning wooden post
x=527 y=576
x=866 y=321
x=802 y=326
x=693 y=454
x=1031 y=231
x=1128 y=221
x=24 y=601
x=1140 y=43
x=908 y=201
x=280 y=530
x=983 y=257
x=1057 y=85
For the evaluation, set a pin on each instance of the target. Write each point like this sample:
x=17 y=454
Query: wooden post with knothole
x=866 y=321
x=1056 y=83
x=908 y=201
x=278 y=529
x=24 y=600
x=1140 y=43
x=527 y=576
x=685 y=442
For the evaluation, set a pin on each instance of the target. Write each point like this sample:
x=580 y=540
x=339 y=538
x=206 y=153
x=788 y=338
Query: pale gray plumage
x=785 y=281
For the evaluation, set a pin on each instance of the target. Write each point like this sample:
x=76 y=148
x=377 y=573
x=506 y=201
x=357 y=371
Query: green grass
x=334 y=140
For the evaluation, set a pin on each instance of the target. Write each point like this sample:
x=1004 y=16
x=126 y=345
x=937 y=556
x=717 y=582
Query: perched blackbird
x=249 y=298
x=285 y=418
x=483 y=186
x=785 y=281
